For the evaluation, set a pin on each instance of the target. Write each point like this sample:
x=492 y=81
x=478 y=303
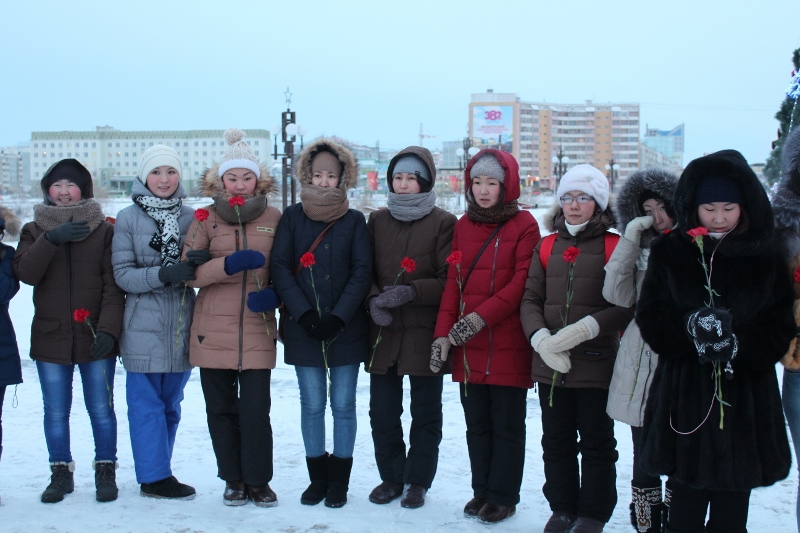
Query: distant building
x=12 y=168
x=652 y=158
x=535 y=131
x=112 y=155
x=670 y=143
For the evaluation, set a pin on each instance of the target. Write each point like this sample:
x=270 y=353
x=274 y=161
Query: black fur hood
x=757 y=237
x=628 y=206
x=786 y=200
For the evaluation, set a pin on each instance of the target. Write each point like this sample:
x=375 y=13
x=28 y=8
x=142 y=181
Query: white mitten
x=634 y=229
x=569 y=337
x=558 y=361
x=439 y=351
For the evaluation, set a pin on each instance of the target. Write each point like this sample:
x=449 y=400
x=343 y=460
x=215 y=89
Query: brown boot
x=386 y=492
x=235 y=493
x=413 y=496
x=491 y=513
x=473 y=507
x=262 y=496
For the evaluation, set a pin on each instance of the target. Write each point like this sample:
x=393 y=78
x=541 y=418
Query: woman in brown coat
x=404 y=310
x=233 y=346
x=65 y=253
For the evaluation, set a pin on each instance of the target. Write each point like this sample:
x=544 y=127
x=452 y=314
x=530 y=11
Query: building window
x=195 y=143
x=204 y=143
x=204 y=153
x=256 y=152
x=118 y=163
x=126 y=154
x=93 y=145
x=117 y=145
x=69 y=154
x=186 y=163
x=134 y=163
x=36 y=145
x=213 y=143
x=126 y=163
x=109 y=145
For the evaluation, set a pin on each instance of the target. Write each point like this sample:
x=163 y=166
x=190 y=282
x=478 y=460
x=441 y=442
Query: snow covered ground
x=24 y=471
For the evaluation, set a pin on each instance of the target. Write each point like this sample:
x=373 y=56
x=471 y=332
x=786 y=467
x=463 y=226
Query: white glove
x=569 y=337
x=558 y=361
x=634 y=229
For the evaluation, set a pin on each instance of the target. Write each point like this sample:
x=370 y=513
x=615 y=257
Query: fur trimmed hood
x=13 y=224
x=348 y=161
x=757 y=237
x=786 y=199
x=553 y=218
x=627 y=205
x=211 y=184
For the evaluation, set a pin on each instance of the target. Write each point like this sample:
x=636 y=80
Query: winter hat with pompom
x=159 y=155
x=239 y=155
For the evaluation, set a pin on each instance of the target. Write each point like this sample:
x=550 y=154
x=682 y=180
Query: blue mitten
x=264 y=300
x=244 y=260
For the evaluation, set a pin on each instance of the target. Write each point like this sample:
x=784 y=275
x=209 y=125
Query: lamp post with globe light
x=289 y=131
x=560 y=162
x=612 y=172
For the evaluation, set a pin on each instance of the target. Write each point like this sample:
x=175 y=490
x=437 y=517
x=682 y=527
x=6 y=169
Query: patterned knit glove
x=465 y=329
x=439 y=351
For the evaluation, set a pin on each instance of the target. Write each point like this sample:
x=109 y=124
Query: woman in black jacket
x=718 y=310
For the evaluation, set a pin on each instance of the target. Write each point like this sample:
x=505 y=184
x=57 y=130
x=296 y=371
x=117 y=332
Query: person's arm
x=112 y=303
x=360 y=274
x=429 y=290
x=9 y=284
x=130 y=277
x=33 y=255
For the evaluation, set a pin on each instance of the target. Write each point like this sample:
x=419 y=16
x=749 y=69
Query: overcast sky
x=375 y=71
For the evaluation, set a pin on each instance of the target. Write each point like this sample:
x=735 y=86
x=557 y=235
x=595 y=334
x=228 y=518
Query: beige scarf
x=323 y=204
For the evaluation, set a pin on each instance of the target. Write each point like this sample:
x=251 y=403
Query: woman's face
x=719 y=217
x=486 y=190
x=661 y=220
x=64 y=192
x=576 y=212
x=405 y=183
x=323 y=178
x=163 y=181
x=240 y=182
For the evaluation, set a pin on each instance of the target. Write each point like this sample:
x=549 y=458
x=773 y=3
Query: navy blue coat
x=10 y=370
x=342 y=277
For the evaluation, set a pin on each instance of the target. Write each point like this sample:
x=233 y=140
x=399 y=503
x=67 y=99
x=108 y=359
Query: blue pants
x=313 y=399
x=154 y=411
x=791 y=407
x=97 y=378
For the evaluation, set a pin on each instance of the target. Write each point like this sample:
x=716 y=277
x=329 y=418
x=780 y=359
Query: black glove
x=174 y=274
x=198 y=257
x=329 y=327
x=710 y=329
x=68 y=231
x=102 y=345
x=309 y=322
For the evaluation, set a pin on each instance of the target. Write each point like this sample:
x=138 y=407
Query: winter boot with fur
x=61 y=482
x=646 y=507
x=318 y=474
x=338 y=481
x=105 y=480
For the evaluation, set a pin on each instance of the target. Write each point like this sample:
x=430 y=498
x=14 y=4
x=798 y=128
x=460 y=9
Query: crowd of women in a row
x=414 y=292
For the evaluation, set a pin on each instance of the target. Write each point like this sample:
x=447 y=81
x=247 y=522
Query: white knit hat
x=587 y=179
x=158 y=155
x=239 y=155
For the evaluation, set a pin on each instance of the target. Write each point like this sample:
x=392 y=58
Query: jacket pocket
x=44 y=325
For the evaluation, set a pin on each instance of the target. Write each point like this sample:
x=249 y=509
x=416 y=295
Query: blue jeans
x=313 y=399
x=98 y=395
x=791 y=407
x=154 y=411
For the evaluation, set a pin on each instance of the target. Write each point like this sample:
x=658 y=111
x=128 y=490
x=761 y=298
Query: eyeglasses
x=580 y=199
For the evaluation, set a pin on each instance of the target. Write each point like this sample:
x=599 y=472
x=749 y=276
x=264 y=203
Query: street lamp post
x=465 y=154
x=612 y=172
x=560 y=162
x=289 y=131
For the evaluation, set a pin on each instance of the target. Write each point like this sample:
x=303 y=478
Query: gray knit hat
x=413 y=165
x=239 y=155
x=489 y=166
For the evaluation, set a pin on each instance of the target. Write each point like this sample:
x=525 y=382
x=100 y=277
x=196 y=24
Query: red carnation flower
x=699 y=231
x=454 y=258
x=571 y=254
x=408 y=264
x=236 y=201
x=666 y=231
x=80 y=315
x=201 y=214
x=797 y=275
x=307 y=259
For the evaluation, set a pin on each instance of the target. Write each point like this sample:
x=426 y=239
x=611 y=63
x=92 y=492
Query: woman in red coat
x=492 y=249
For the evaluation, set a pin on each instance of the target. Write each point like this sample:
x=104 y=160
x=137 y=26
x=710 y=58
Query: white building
x=12 y=168
x=112 y=155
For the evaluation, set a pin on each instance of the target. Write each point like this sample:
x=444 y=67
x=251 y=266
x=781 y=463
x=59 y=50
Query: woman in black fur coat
x=715 y=452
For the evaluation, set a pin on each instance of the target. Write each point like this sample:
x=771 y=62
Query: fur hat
x=488 y=165
x=67 y=169
x=587 y=179
x=159 y=155
x=347 y=161
x=239 y=155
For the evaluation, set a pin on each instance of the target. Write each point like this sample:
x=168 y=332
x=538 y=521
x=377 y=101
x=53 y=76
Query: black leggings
x=641 y=478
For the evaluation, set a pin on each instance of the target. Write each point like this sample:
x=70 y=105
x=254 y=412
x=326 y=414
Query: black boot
x=667 y=501
x=105 y=480
x=646 y=509
x=318 y=474
x=61 y=482
x=338 y=481
x=168 y=488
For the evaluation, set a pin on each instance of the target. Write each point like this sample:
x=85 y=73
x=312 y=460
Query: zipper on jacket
x=71 y=305
x=491 y=293
x=133 y=313
x=241 y=310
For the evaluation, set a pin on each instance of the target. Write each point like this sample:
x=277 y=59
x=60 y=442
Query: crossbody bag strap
x=480 y=253
x=314 y=245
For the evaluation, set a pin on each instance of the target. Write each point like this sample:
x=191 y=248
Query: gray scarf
x=251 y=210
x=167 y=238
x=409 y=207
x=48 y=217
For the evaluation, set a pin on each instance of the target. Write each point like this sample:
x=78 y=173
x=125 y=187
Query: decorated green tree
x=789 y=117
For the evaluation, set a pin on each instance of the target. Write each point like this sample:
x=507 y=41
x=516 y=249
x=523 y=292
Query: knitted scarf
x=251 y=210
x=324 y=204
x=408 y=207
x=491 y=215
x=48 y=217
x=167 y=238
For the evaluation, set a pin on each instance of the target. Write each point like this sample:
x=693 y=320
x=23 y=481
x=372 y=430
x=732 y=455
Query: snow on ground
x=24 y=471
